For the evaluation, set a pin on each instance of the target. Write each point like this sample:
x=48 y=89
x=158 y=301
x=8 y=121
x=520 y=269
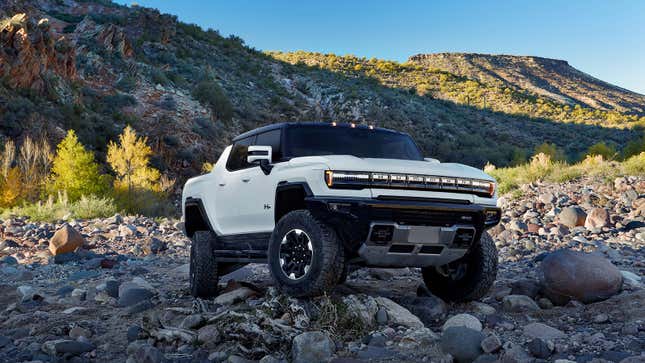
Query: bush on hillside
x=209 y=93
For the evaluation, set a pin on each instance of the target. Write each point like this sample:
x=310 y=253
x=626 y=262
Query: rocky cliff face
x=30 y=53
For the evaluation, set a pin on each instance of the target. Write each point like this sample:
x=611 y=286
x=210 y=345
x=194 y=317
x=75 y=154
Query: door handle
x=246 y=180
x=222 y=184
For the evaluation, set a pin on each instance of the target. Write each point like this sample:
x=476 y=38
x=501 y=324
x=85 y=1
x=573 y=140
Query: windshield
x=359 y=142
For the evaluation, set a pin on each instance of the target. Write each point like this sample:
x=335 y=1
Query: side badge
x=267 y=206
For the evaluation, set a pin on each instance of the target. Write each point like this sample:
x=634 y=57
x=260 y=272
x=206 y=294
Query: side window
x=237 y=158
x=271 y=138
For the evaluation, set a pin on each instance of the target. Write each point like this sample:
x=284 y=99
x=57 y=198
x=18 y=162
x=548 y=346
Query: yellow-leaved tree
x=136 y=181
x=74 y=170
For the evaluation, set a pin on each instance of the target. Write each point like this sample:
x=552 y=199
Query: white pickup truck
x=310 y=199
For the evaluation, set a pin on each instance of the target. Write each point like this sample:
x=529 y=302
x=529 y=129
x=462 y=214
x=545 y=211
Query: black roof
x=282 y=125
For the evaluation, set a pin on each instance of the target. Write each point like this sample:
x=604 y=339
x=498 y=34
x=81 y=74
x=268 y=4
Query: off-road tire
x=203 y=265
x=327 y=262
x=481 y=271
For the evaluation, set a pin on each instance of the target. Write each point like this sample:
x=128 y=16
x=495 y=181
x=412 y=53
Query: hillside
x=550 y=78
x=95 y=67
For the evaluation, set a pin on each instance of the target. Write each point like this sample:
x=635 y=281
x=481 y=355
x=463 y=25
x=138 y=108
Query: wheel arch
x=195 y=217
x=290 y=196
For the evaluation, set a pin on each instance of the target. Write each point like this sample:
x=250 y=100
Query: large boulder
x=65 y=240
x=585 y=277
x=312 y=347
x=572 y=217
x=597 y=218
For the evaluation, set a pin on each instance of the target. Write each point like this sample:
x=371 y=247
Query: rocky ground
x=116 y=290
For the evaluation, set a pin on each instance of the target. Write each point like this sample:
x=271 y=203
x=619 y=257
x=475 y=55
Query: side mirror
x=257 y=154
x=432 y=160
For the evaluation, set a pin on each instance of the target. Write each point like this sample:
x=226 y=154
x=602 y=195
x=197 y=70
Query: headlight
x=359 y=180
x=346 y=179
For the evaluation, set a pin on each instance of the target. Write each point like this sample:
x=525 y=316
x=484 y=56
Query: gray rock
x=79 y=294
x=561 y=273
x=466 y=320
x=133 y=295
x=572 y=217
x=65 y=346
x=542 y=331
x=397 y=314
x=491 y=344
x=116 y=219
x=539 y=348
x=27 y=293
x=381 y=316
x=519 y=226
x=429 y=309
x=209 y=335
x=311 y=347
x=462 y=343
x=194 y=321
x=519 y=303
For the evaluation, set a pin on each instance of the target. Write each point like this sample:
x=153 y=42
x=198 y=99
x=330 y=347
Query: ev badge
x=267 y=206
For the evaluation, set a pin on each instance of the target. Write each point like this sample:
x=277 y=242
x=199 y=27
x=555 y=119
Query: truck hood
x=353 y=163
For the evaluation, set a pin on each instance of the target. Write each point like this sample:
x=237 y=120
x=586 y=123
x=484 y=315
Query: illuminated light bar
x=361 y=180
x=371 y=127
x=333 y=123
x=353 y=125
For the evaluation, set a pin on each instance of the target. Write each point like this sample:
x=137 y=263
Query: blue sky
x=603 y=38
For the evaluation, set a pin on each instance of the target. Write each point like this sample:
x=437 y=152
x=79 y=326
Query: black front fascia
x=351 y=217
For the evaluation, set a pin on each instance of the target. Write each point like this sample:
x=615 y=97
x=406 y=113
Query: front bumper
x=405 y=232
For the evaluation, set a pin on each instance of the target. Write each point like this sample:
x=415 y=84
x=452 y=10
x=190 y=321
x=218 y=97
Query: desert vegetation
x=69 y=183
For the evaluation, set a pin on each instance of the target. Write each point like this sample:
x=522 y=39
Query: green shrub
x=608 y=152
x=60 y=208
x=89 y=207
x=210 y=93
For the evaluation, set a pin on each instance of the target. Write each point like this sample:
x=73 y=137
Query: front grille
x=423 y=217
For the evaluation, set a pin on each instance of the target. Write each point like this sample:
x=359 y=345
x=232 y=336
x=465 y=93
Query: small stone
x=527 y=287
x=313 y=346
x=4 y=341
x=491 y=344
x=466 y=320
x=381 y=316
x=539 y=348
x=152 y=245
x=133 y=295
x=519 y=303
x=542 y=331
x=545 y=303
